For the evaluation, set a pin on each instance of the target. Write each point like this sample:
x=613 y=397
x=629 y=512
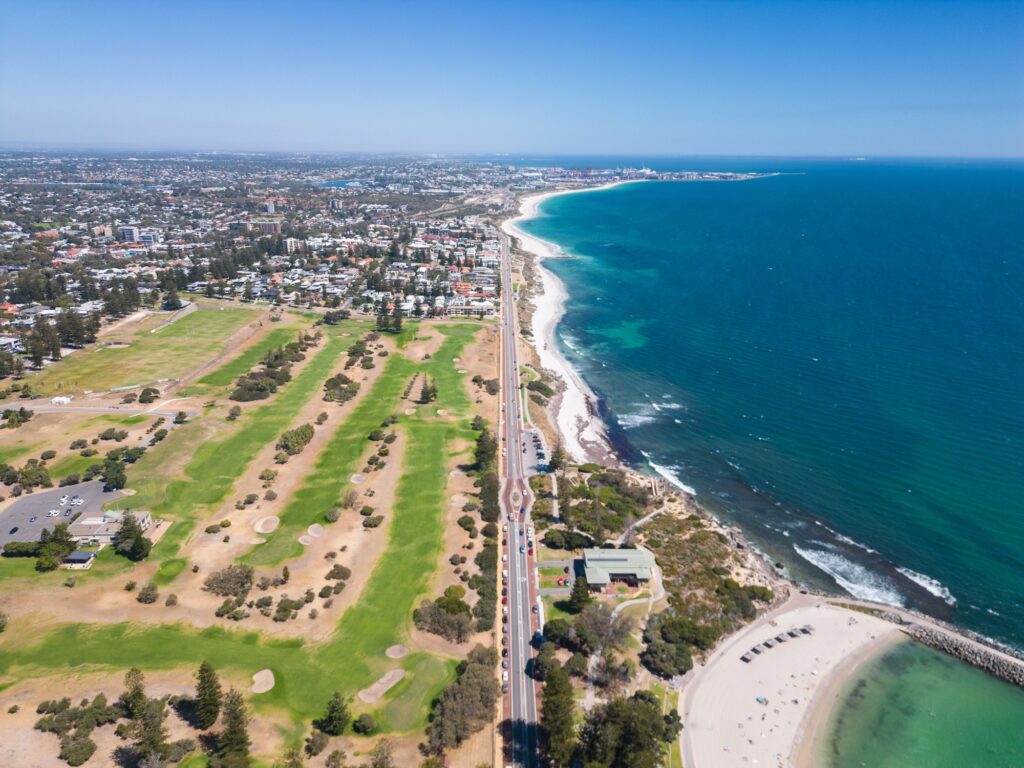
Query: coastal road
x=520 y=622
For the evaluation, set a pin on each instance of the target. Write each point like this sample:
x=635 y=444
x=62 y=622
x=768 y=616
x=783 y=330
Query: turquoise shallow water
x=834 y=359
x=914 y=707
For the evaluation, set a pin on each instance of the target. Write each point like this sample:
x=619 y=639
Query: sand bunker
x=462 y=370
x=305 y=540
x=374 y=693
x=315 y=530
x=396 y=651
x=442 y=412
x=262 y=681
x=357 y=478
x=267 y=524
x=410 y=411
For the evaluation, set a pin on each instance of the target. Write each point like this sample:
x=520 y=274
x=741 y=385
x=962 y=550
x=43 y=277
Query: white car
x=504 y=558
x=53 y=513
x=64 y=499
x=504 y=677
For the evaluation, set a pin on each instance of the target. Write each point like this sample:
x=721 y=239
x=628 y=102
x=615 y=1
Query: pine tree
x=234 y=739
x=149 y=730
x=134 y=697
x=425 y=390
x=208 y=696
x=580 y=597
x=337 y=718
x=557 y=719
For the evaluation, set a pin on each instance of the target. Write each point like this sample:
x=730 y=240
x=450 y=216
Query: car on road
x=33 y=519
x=12 y=531
x=522 y=549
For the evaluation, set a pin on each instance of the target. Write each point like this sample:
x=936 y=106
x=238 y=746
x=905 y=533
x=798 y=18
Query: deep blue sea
x=833 y=358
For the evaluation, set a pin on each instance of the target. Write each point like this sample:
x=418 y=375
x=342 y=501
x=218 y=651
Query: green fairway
x=146 y=356
x=283 y=332
x=353 y=657
x=216 y=465
x=322 y=488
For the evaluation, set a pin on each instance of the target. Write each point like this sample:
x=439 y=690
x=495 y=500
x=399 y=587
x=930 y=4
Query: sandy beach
x=726 y=725
x=583 y=435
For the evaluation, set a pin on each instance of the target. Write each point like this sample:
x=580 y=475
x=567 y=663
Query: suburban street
x=520 y=701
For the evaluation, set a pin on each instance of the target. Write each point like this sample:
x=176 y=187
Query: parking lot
x=17 y=524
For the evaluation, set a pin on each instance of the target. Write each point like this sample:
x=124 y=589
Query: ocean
x=833 y=358
x=913 y=706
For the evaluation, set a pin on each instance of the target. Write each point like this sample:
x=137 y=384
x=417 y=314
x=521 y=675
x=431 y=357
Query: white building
x=101 y=529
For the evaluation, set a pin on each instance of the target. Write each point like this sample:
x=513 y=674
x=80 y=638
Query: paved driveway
x=38 y=504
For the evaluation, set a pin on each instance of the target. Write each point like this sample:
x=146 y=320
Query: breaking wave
x=930 y=584
x=669 y=473
x=854 y=578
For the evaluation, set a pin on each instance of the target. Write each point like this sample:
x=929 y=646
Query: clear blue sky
x=783 y=78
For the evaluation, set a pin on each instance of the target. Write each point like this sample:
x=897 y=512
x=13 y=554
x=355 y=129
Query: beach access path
x=724 y=723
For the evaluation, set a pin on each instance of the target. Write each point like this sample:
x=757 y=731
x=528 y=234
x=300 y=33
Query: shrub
x=316 y=742
x=339 y=571
x=148 y=594
x=129 y=587
x=326 y=591
x=366 y=511
x=364 y=724
x=294 y=440
x=172 y=600
x=232 y=581
x=269 y=496
x=234 y=413
x=76 y=750
x=47 y=455
x=373 y=522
